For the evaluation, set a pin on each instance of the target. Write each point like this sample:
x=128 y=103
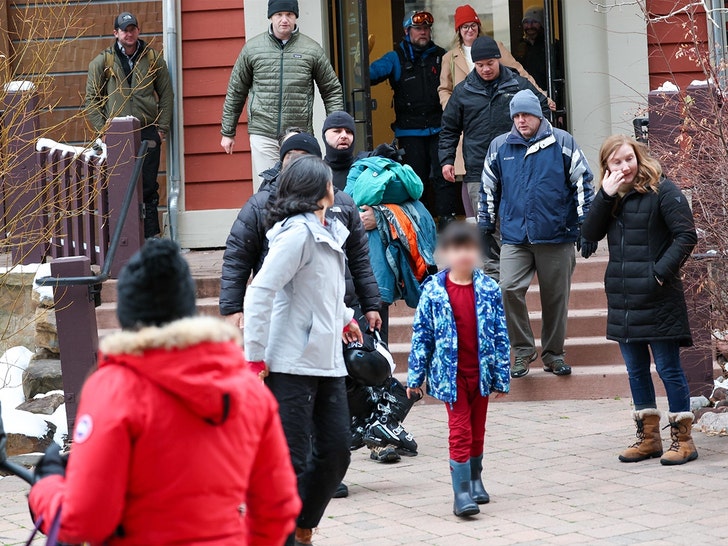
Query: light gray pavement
x=551 y=470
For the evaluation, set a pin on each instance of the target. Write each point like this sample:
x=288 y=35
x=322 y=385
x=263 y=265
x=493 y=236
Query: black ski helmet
x=369 y=363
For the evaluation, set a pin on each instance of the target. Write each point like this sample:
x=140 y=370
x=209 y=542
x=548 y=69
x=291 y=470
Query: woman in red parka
x=176 y=441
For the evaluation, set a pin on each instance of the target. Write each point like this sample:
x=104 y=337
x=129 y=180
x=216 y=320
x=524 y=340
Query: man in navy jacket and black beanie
x=538 y=182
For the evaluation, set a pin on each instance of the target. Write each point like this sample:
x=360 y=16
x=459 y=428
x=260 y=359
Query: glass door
x=352 y=50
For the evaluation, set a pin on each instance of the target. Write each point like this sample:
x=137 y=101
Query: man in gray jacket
x=276 y=71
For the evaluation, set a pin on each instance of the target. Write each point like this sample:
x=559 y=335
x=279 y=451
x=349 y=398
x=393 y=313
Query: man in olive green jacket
x=131 y=79
x=275 y=72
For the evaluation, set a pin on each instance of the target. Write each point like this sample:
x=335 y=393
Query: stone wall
x=17 y=309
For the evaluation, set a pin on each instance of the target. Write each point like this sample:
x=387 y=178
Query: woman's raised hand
x=612 y=181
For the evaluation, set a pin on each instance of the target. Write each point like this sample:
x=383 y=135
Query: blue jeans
x=667 y=361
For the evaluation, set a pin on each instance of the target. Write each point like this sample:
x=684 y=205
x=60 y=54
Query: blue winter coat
x=434 y=353
x=390 y=258
x=539 y=188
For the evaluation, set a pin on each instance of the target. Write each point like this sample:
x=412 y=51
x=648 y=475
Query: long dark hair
x=301 y=185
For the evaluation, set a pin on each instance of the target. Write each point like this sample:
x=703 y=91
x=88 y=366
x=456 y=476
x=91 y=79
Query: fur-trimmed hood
x=197 y=360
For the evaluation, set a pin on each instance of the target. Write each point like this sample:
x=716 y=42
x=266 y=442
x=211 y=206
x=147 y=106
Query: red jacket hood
x=197 y=360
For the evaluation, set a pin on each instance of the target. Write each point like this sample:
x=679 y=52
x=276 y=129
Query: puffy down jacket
x=649 y=234
x=247 y=246
x=278 y=82
x=176 y=442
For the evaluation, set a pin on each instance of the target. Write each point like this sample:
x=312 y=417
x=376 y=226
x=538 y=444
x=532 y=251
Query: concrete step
x=206 y=287
x=584 y=295
x=582 y=323
x=585 y=383
x=106 y=312
x=580 y=352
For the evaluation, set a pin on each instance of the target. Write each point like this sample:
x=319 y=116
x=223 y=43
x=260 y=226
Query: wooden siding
x=212 y=35
x=89 y=31
x=671 y=42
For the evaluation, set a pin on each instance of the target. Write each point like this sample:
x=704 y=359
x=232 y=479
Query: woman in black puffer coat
x=650 y=230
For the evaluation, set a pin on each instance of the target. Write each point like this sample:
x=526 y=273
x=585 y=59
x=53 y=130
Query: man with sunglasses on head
x=413 y=71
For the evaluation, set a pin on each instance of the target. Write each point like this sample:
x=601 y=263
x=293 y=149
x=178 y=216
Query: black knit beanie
x=155 y=287
x=305 y=142
x=277 y=6
x=484 y=48
x=339 y=120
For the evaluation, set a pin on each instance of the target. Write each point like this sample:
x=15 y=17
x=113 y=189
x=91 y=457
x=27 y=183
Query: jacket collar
x=333 y=234
x=412 y=53
x=179 y=334
x=294 y=35
x=441 y=277
x=543 y=139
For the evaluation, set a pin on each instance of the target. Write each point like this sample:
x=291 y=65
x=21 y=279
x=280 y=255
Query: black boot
x=464 y=504
x=386 y=422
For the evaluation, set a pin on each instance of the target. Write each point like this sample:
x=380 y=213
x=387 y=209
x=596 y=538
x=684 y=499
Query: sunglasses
x=422 y=18
x=470 y=26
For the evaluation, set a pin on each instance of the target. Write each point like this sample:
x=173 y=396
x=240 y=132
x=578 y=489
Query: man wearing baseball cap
x=276 y=70
x=478 y=109
x=413 y=71
x=537 y=181
x=129 y=78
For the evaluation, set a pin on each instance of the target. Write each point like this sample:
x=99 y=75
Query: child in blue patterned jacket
x=460 y=345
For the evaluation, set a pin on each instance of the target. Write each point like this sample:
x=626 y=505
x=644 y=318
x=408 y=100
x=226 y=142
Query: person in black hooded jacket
x=247 y=245
x=651 y=233
x=338 y=134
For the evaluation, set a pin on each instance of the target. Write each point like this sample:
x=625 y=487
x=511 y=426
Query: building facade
x=605 y=57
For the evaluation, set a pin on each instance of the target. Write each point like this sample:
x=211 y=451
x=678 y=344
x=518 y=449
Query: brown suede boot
x=682 y=449
x=303 y=537
x=649 y=442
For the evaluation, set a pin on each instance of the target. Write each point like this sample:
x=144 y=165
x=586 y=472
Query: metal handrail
x=103 y=276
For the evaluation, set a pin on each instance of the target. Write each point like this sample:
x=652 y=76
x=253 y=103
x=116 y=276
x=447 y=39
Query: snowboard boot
x=477 y=489
x=357 y=435
x=394 y=395
x=649 y=442
x=682 y=449
x=303 y=537
x=383 y=432
x=464 y=504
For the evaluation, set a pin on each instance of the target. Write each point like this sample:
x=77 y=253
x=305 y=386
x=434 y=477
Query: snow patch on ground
x=12 y=364
x=28 y=268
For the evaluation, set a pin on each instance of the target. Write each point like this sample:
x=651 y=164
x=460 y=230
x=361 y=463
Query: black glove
x=491 y=248
x=587 y=248
x=52 y=463
x=389 y=151
x=3 y=440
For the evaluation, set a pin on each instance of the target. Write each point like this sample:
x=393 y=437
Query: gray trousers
x=554 y=265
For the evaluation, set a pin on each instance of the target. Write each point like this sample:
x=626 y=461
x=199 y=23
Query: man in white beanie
x=537 y=181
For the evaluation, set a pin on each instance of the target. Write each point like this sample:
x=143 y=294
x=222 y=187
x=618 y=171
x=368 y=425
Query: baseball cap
x=123 y=20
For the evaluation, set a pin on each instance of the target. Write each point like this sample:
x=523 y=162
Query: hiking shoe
x=522 y=365
x=341 y=492
x=557 y=367
x=383 y=432
x=386 y=454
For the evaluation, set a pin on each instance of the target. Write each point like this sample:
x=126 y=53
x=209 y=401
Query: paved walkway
x=553 y=475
